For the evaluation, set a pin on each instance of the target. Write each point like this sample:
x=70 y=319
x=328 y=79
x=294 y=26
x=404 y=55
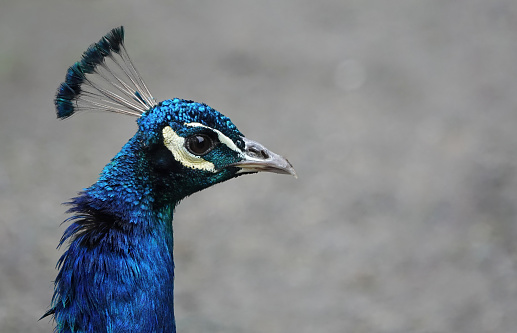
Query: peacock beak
x=258 y=158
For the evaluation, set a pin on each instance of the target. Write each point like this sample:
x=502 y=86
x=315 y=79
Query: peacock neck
x=116 y=277
x=117 y=274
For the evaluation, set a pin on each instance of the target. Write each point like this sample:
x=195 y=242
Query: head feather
x=104 y=79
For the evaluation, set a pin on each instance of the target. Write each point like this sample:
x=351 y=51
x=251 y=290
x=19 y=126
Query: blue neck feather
x=118 y=273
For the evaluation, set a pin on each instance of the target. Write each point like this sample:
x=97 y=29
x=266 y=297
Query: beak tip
x=291 y=170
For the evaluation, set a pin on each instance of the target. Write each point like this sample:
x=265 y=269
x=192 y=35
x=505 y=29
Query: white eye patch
x=176 y=144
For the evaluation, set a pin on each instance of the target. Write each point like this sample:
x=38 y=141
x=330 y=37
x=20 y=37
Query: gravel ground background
x=399 y=117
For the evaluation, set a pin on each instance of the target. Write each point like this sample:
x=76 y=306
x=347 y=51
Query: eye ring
x=200 y=144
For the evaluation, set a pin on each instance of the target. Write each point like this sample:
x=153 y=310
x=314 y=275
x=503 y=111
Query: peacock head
x=191 y=146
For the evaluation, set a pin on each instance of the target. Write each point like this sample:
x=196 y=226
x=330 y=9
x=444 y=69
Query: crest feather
x=104 y=79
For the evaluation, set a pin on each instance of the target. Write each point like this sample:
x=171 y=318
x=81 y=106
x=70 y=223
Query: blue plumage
x=117 y=274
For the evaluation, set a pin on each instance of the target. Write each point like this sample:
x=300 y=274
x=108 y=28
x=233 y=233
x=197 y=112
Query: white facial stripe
x=222 y=138
x=176 y=144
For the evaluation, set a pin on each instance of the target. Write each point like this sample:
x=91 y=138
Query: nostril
x=258 y=152
x=252 y=151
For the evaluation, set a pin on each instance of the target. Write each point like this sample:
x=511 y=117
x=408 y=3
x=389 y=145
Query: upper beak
x=258 y=158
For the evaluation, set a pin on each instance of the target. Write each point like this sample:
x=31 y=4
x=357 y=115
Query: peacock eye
x=199 y=144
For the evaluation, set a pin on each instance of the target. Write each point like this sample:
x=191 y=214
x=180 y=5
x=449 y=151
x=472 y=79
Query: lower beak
x=258 y=158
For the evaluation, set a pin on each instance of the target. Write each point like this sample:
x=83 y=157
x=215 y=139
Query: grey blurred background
x=399 y=117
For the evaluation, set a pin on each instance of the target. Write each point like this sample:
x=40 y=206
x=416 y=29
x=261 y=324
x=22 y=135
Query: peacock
x=117 y=272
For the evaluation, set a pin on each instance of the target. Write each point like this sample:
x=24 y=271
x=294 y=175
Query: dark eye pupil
x=199 y=144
